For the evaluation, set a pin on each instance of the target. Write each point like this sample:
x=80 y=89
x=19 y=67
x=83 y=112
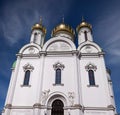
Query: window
x=26 y=78
x=91 y=77
x=58 y=67
x=28 y=68
x=58 y=76
x=85 y=33
x=35 y=37
x=91 y=68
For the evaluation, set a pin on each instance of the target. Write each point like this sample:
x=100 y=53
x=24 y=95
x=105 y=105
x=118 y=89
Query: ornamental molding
x=58 y=65
x=98 y=108
x=90 y=66
x=71 y=96
x=111 y=107
x=36 y=105
x=8 y=106
x=44 y=96
x=28 y=67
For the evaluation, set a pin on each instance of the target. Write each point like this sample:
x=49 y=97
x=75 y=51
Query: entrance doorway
x=57 y=107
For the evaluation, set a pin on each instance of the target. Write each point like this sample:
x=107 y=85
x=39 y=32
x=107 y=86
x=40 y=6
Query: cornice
x=62 y=53
x=8 y=106
x=75 y=106
x=108 y=108
x=37 y=105
x=27 y=55
x=73 y=52
x=99 y=54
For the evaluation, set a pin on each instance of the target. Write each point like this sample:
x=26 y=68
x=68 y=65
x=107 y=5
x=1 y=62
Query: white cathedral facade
x=58 y=78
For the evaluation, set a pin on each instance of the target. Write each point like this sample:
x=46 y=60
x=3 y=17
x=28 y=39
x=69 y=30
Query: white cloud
x=23 y=14
x=109 y=30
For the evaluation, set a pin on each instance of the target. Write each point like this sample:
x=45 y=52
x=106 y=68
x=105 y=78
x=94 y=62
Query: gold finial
x=83 y=19
x=40 y=20
x=84 y=24
x=63 y=19
x=39 y=26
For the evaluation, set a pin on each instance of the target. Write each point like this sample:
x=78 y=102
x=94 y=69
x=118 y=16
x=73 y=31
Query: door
x=57 y=107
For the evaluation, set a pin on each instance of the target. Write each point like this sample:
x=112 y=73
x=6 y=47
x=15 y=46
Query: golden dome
x=63 y=28
x=84 y=24
x=39 y=27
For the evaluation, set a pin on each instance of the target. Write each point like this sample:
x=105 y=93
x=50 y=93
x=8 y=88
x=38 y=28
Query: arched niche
x=30 y=49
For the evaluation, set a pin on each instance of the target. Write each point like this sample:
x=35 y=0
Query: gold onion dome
x=63 y=28
x=84 y=24
x=39 y=26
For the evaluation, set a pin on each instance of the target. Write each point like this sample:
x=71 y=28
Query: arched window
x=26 y=78
x=57 y=108
x=35 y=37
x=91 y=77
x=58 y=76
x=85 y=33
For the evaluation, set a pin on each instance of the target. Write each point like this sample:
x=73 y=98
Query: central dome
x=63 y=28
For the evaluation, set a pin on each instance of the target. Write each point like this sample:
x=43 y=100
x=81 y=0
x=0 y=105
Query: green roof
x=14 y=64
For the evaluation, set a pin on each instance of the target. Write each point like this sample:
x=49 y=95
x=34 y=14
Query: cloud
x=20 y=15
x=109 y=32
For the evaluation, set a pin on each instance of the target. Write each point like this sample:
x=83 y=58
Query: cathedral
x=58 y=77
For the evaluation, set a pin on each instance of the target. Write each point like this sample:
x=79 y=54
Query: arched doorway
x=57 y=107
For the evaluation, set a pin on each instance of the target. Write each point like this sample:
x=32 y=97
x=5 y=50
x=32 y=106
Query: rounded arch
x=57 y=95
x=57 y=39
x=93 y=44
x=29 y=45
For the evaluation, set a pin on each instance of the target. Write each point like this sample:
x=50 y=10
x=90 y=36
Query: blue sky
x=18 y=16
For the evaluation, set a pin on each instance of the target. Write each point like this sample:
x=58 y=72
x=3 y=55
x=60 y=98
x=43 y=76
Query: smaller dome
x=14 y=65
x=39 y=27
x=83 y=24
x=63 y=28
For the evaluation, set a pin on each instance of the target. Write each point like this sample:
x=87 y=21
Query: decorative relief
x=91 y=67
x=71 y=96
x=88 y=49
x=31 y=50
x=58 y=65
x=59 y=46
x=44 y=96
x=28 y=67
x=64 y=46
